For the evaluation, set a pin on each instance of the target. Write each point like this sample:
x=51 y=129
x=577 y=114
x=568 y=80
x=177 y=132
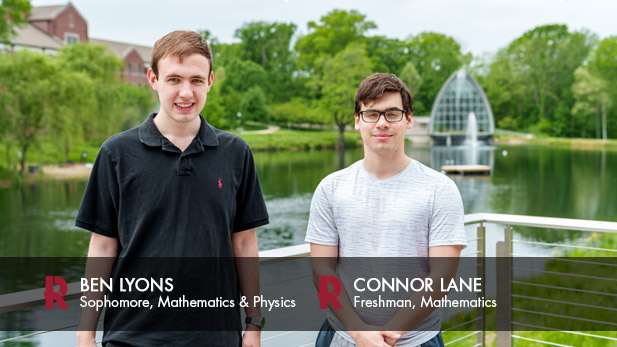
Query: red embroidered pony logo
x=220 y=183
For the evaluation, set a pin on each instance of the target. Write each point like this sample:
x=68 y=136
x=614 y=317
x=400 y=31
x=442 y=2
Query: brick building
x=136 y=58
x=51 y=27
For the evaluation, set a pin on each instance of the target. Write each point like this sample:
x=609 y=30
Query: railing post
x=480 y=235
x=504 y=289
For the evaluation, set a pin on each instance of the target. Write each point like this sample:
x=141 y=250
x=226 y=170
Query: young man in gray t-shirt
x=386 y=205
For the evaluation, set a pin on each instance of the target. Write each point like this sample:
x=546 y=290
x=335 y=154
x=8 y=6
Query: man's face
x=182 y=86
x=383 y=137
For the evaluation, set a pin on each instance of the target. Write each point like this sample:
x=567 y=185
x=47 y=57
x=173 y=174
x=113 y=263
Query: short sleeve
x=251 y=209
x=447 y=226
x=321 y=228
x=98 y=211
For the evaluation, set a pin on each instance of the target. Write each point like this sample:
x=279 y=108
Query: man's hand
x=392 y=337
x=252 y=337
x=86 y=339
x=374 y=338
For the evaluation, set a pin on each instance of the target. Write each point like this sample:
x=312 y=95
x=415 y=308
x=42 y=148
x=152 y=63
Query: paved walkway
x=271 y=129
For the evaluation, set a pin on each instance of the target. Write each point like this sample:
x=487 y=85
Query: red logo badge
x=220 y=183
x=51 y=295
x=325 y=295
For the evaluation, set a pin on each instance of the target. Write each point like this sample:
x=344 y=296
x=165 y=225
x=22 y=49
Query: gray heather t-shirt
x=401 y=216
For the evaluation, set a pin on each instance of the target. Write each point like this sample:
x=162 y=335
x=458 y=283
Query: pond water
x=38 y=220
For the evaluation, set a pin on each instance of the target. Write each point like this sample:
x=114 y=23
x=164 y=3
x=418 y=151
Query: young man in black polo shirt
x=174 y=187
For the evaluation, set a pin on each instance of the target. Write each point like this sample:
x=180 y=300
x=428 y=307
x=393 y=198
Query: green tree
x=531 y=79
x=66 y=127
x=331 y=35
x=30 y=96
x=97 y=62
x=298 y=110
x=254 y=106
x=240 y=76
x=113 y=104
x=99 y=107
x=603 y=64
x=386 y=54
x=12 y=13
x=268 y=44
x=592 y=101
x=435 y=56
x=342 y=75
x=412 y=78
x=214 y=110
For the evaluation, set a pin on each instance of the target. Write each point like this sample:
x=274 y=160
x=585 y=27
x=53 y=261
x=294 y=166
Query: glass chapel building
x=460 y=97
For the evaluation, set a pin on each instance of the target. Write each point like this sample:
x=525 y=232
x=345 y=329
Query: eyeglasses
x=391 y=116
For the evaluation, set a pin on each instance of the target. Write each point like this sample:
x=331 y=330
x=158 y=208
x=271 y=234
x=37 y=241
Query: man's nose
x=186 y=90
x=382 y=122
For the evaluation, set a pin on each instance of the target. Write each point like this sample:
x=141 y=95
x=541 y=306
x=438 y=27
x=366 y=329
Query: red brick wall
x=61 y=25
x=136 y=76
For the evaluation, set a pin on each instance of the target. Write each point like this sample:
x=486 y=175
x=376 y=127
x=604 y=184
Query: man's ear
x=357 y=121
x=210 y=80
x=409 y=120
x=152 y=79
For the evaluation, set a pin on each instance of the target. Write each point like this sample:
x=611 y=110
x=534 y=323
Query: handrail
x=542 y=222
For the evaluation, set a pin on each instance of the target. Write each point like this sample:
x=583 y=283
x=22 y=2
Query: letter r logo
x=51 y=295
x=325 y=295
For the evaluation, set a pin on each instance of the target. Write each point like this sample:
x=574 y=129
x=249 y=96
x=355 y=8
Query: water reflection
x=37 y=220
x=461 y=155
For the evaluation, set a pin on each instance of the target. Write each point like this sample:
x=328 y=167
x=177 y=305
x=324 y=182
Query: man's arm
x=244 y=245
x=443 y=263
x=323 y=259
x=101 y=253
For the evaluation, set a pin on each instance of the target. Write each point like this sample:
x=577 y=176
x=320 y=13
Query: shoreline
x=578 y=143
x=54 y=172
x=75 y=171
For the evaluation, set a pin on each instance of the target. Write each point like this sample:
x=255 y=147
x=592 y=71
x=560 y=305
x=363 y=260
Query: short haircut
x=180 y=44
x=377 y=85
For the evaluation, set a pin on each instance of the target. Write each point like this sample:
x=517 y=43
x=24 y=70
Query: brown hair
x=180 y=44
x=376 y=85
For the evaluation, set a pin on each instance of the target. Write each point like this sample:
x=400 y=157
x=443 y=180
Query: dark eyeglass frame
x=382 y=113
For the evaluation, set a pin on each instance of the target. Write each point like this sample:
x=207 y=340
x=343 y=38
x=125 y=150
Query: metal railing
x=505 y=279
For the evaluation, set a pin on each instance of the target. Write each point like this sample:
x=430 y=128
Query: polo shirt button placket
x=183 y=167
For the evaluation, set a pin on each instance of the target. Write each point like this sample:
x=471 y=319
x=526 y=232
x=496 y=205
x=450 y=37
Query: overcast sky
x=480 y=26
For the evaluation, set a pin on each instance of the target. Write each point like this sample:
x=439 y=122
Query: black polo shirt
x=160 y=201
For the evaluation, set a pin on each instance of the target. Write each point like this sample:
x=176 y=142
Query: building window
x=138 y=71
x=71 y=21
x=128 y=68
x=71 y=38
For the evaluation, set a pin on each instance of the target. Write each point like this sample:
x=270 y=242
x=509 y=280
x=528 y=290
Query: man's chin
x=184 y=117
x=382 y=149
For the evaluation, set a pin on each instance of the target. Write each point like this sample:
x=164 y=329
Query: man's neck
x=180 y=134
x=384 y=166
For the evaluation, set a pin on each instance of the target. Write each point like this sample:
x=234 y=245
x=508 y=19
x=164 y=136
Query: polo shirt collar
x=150 y=135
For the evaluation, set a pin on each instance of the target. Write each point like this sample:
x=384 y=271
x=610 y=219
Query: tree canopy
x=550 y=80
x=531 y=80
x=12 y=13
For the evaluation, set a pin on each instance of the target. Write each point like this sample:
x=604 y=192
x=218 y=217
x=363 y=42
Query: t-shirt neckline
x=400 y=174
